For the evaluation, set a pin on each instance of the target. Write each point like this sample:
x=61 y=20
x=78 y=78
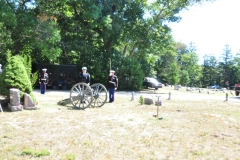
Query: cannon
x=83 y=96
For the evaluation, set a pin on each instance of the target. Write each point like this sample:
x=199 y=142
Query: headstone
x=15 y=104
x=28 y=102
x=148 y=101
x=176 y=87
x=210 y=92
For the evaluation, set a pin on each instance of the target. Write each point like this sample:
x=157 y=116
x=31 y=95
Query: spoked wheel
x=81 y=95
x=99 y=95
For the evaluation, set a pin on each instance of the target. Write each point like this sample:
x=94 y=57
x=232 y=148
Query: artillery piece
x=83 y=96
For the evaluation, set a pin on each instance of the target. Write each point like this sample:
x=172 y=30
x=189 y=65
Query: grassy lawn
x=185 y=129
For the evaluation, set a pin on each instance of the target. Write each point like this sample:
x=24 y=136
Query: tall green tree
x=190 y=64
x=90 y=32
x=184 y=78
x=226 y=65
x=210 y=71
x=173 y=76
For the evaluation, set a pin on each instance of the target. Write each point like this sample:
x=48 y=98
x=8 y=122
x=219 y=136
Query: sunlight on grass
x=188 y=129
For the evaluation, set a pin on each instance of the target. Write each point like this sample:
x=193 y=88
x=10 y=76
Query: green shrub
x=27 y=62
x=15 y=75
x=141 y=100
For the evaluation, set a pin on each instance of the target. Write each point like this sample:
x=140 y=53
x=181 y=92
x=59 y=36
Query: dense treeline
x=129 y=36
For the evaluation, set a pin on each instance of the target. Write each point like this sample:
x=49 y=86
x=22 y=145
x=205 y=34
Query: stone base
x=15 y=108
x=30 y=108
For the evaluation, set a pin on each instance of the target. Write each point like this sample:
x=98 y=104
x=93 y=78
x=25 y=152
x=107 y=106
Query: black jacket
x=112 y=81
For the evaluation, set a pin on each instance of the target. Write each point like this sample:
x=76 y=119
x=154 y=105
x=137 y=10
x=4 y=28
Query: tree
x=225 y=64
x=184 y=78
x=90 y=32
x=210 y=71
x=173 y=75
x=190 y=64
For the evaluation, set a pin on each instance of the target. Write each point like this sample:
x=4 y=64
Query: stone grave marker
x=15 y=104
x=28 y=102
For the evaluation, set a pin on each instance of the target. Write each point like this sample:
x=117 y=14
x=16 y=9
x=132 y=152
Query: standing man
x=84 y=76
x=43 y=80
x=112 y=85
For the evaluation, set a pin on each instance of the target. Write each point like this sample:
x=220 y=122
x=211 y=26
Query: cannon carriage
x=83 y=96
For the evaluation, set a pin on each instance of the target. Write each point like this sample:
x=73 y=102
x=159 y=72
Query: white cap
x=44 y=69
x=84 y=68
x=0 y=64
x=112 y=71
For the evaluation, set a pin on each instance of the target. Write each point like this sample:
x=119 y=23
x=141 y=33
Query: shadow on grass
x=238 y=98
x=4 y=103
x=67 y=103
x=150 y=91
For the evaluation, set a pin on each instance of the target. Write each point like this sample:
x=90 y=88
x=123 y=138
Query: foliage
x=210 y=71
x=173 y=74
x=91 y=32
x=27 y=62
x=190 y=64
x=15 y=75
x=130 y=74
x=184 y=78
x=141 y=100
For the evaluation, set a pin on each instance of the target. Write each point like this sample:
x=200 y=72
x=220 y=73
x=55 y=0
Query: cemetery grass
x=184 y=129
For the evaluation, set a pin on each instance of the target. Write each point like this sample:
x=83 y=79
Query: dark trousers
x=111 y=94
x=43 y=88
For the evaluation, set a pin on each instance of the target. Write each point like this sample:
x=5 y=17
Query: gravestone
x=28 y=102
x=148 y=101
x=210 y=92
x=177 y=87
x=15 y=104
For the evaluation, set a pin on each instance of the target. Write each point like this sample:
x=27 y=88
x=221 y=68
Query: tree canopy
x=129 y=36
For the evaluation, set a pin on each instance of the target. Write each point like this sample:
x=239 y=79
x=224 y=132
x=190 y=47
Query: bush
x=14 y=75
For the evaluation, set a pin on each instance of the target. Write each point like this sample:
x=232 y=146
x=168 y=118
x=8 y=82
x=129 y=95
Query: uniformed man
x=43 y=80
x=84 y=76
x=112 y=85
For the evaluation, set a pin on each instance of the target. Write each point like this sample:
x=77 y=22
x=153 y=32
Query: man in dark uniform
x=43 y=80
x=112 y=85
x=84 y=76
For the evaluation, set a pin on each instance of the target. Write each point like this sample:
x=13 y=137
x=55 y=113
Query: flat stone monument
x=15 y=104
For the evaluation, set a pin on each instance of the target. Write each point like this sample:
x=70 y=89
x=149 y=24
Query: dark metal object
x=60 y=76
